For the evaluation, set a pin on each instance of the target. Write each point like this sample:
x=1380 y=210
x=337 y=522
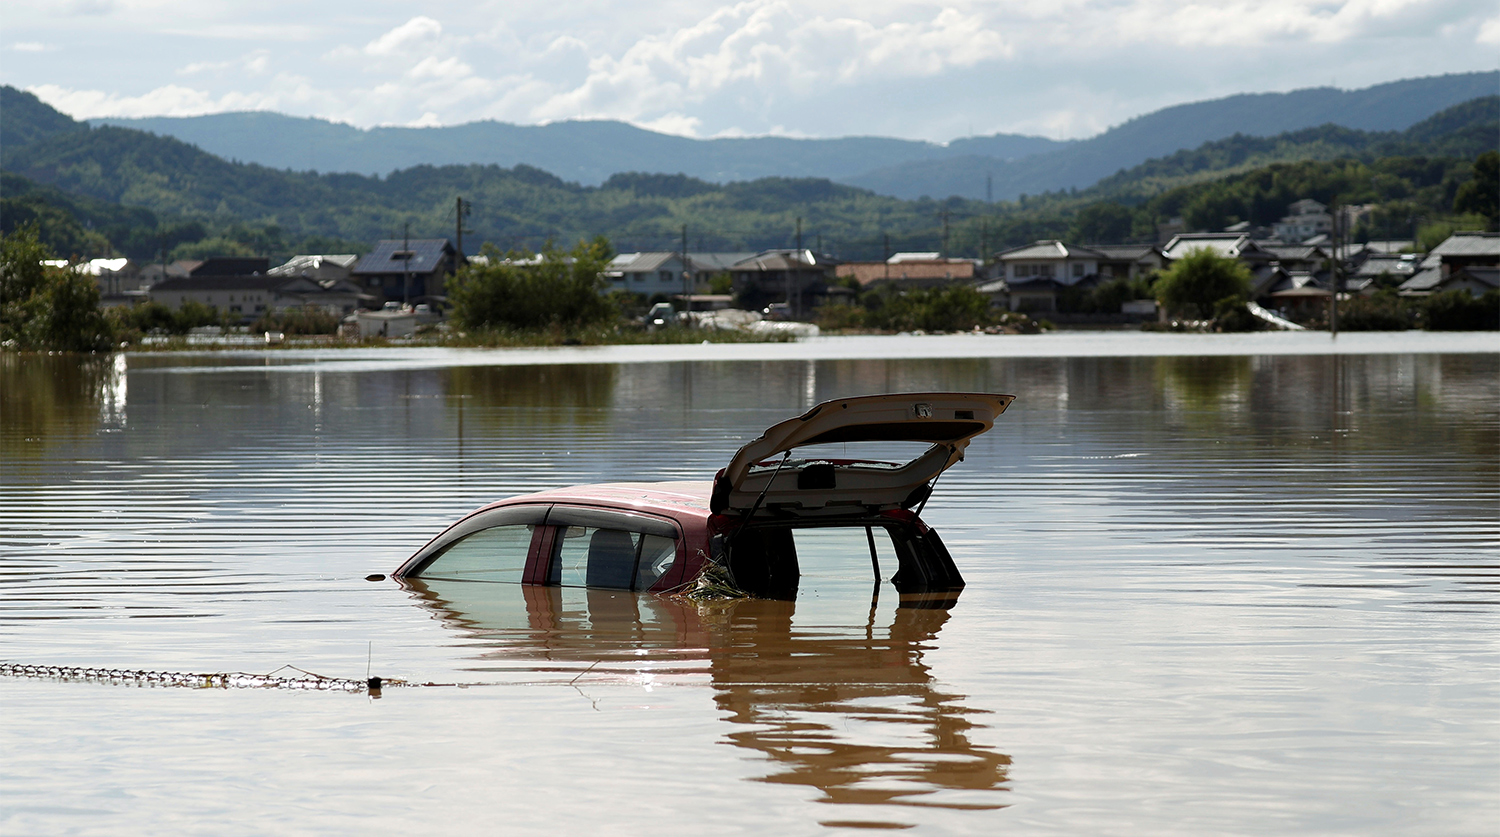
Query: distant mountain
x=584 y=152
x=117 y=169
x=1385 y=107
x=590 y=152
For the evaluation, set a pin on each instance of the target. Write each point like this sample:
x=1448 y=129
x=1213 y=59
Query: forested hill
x=590 y=152
x=1385 y=107
x=92 y=175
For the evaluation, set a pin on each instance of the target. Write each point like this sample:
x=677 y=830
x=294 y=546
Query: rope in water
x=217 y=680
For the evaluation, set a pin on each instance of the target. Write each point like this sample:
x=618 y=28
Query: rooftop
x=388 y=257
x=1469 y=244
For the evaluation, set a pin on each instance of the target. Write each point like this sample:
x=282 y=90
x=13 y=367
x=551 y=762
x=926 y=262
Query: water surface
x=1206 y=594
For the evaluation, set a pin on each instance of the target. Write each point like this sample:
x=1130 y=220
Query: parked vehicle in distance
x=750 y=519
x=661 y=314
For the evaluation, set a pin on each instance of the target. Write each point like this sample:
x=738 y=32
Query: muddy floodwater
x=1208 y=593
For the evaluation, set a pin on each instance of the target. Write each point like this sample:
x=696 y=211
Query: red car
x=750 y=519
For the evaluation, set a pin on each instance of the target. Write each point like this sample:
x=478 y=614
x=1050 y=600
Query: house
x=1377 y=270
x=407 y=271
x=1460 y=251
x=661 y=272
x=1297 y=294
x=231 y=266
x=1292 y=257
x=1035 y=272
x=798 y=277
x=155 y=272
x=911 y=270
x=1304 y=219
x=1227 y=245
x=248 y=297
x=317 y=267
x=1128 y=261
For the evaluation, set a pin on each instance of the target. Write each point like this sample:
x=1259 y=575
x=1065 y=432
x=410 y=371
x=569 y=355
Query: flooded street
x=1206 y=593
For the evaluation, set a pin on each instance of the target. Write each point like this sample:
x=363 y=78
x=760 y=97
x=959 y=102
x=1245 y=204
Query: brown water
x=1238 y=595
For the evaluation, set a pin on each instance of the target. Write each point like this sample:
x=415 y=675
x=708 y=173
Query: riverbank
x=893 y=347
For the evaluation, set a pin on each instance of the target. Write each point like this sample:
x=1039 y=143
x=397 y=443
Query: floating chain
x=218 y=680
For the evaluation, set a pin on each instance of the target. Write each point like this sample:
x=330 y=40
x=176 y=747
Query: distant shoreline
x=836 y=348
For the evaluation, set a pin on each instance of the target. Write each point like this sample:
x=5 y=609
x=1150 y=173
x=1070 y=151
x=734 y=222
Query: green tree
x=1104 y=222
x=1198 y=282
x=1481 y=196
x=46 y=309
x=516 y=291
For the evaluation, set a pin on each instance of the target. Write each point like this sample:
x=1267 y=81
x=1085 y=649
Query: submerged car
x=751 y=519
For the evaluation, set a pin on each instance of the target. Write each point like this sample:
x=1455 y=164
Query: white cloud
x=418 y=32
x=776 y=44
x=173 y=100
x=920 y=68
x=440 y=68
x=674 y=123
x=91 y=7
x=1489 y=32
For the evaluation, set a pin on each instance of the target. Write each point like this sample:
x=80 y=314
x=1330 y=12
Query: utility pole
x=1333 y=301
x=887 y=257
x=406 y=263
x=460 y=211
x=687 y=277
x=792 y=278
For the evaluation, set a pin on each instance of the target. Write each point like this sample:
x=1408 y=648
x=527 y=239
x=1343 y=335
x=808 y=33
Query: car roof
x=684 y=499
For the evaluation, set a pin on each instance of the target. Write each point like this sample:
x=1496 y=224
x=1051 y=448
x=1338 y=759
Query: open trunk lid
x=764 y=476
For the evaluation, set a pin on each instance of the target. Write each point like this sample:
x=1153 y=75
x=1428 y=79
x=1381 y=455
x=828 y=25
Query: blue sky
x=936 y=71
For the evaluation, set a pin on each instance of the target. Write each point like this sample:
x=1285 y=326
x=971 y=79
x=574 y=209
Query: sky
x=812 y=68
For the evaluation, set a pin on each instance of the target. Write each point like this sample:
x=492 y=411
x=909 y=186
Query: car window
x=494 y=554
x=657 y=554
x=602 y=557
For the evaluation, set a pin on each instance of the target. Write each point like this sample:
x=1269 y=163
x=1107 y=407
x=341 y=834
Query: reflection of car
x=751 y=519
x=839 y=699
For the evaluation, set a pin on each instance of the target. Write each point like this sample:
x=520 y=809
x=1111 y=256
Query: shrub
x=1231 y=314
x=513 y=291
x=1200 y=281
x=1458 y=310
x=297 y=321
x=956 y=308
x=1382 y=312
x=47 y=309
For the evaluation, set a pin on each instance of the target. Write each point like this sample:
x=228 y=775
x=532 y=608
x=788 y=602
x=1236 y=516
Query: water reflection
x=586 y=387
x=1205 y=383
x=851 y=711
x=57 y=396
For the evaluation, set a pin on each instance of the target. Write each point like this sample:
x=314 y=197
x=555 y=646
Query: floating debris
x=714 y=583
